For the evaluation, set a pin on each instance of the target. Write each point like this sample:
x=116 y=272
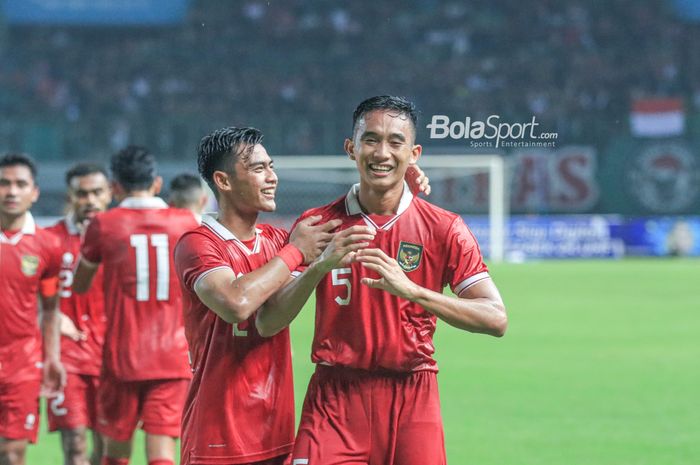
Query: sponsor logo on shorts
x=409 y=256
x=300 y=462
x=30 y=421
x=30 y=265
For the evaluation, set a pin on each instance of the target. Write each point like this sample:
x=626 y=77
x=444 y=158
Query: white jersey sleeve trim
x=205 y=273
x=470 y=281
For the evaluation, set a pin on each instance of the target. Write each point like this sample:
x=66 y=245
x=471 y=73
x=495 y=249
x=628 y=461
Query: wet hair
x=134 y=168
x=185 y=189
x=84 y=169
x=220 y=150
x=19 y=159
x=399 y=105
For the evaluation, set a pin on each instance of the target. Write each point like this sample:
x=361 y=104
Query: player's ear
x=349 y=147
x=222 y=181
x=117 y=190
x=157 y=185
x=416 y=152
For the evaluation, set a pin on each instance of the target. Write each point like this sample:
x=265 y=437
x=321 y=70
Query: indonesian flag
x=657 y=117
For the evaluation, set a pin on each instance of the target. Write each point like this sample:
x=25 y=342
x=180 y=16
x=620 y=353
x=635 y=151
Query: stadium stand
x=576 y=65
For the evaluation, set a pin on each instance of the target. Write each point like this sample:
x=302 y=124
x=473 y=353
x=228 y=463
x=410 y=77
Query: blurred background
x=617 y=83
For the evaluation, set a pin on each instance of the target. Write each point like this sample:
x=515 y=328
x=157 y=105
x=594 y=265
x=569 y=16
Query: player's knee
x=12 y=452
x=75 y=447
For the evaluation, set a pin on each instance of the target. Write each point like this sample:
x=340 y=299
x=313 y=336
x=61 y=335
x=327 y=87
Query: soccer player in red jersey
x=186 y=191
x=373 y=398
x=240 y=406
x=145 y=370
x=30 y=260
x=82 y=321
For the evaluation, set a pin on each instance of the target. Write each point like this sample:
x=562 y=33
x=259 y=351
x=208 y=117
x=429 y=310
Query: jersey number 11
x=143 y=270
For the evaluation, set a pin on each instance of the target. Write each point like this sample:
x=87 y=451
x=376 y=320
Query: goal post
x=302 y=175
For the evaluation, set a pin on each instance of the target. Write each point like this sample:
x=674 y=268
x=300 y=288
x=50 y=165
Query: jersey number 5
x=339 y=280
x=143 y=270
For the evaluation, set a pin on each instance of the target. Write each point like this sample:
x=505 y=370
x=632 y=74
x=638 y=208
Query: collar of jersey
x=28 y=229
x=143 y=202
x=69 y=221
x=352 y=206
x=211 y=222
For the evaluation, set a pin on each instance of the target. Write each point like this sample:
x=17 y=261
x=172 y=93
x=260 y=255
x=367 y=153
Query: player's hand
x=342 y=248
x=68 y=329
x=311 y=238
x=54 y=379
x=392 y=277
x=417 y=181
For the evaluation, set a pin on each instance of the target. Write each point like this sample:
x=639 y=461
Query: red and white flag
x=657 y=117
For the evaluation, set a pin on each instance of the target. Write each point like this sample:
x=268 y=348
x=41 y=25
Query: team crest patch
x=30 y=264
x=409 y=256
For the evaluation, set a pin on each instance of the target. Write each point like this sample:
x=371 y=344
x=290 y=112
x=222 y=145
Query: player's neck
x=241 y=224
x=385 y=202
x=12 y=222
x=139 y=194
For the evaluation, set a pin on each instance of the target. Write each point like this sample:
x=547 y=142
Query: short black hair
x=19 y=159
x=134 y=168
x=400 y=105
x=83 y=169
x=219 y=150
x=185 y=189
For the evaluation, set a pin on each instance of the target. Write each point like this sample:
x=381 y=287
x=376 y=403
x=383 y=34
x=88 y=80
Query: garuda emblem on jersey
x=30 y=264
x=409 y=256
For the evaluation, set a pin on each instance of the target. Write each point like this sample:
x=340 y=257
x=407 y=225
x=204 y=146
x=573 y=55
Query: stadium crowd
x=575 y=65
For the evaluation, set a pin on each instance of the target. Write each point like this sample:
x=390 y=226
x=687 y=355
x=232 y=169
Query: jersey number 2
x=160 y=242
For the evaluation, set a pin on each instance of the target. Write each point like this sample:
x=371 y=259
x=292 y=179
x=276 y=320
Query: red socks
x=111 y=461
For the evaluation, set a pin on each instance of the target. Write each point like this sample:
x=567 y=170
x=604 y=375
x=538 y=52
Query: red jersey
x=240 y=406
x=145 y=337
x=361 y=327
x=86 y=310
x=26 y=258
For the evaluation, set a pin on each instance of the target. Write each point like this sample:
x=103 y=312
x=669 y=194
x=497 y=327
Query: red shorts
x=358 y=417
x=156 y=403
x=76 y=406
x=19 y=409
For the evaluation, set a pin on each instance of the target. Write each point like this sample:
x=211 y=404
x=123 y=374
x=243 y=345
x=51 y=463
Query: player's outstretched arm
x=235 y=299
x=478 y=309
x=54 y=378
x=283 y=306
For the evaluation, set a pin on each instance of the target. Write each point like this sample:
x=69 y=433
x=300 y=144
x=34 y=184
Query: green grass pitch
x=600 y=365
